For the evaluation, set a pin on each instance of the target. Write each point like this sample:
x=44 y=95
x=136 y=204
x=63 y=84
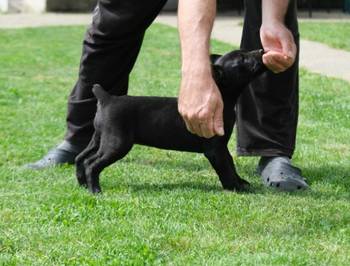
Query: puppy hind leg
x=79 y=161
x=107 y=155
x=92 y=147
x=92 y=174
x=221 y=160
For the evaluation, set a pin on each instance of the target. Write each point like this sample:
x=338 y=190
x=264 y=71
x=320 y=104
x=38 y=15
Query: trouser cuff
x=264 y=152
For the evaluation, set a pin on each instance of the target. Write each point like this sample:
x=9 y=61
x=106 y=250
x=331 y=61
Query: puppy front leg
x=221 y=160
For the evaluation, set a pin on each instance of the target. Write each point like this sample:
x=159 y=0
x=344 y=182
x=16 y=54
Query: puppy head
x=238 y=68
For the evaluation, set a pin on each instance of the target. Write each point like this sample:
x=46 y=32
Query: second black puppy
x=122 y=121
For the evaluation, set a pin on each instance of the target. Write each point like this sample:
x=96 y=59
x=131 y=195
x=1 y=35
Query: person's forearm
x=276 y=39
x=274 y=10
x=195 y=19
x=200 y=103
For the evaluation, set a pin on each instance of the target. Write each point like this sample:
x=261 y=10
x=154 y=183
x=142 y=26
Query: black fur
x=122 y=121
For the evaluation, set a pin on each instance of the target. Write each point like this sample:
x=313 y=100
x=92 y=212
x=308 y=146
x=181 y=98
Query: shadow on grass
x=254 y=190
x=327 y=181
x=174 y=186
x=334 y=181
x=170 y=163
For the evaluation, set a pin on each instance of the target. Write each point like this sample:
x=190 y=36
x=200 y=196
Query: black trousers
x=266 y=114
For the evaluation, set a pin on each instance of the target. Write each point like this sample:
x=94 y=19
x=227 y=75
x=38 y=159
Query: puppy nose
x=257 y=54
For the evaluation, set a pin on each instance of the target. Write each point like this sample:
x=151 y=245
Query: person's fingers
x=205 y=131
x=280 y=47
x=277 y=62
x=270 y=64
x=205 y=123
x=198 y=110
x=219 y=120
x=186 y=119
x=187 y=123
x=289 y=49
x=196 y=128
x=208 y=126
x=288 y=45
x=283 y=61
x=189 y=128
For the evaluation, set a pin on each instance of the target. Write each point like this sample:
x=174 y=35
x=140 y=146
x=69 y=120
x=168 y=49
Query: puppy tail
x=101 y=95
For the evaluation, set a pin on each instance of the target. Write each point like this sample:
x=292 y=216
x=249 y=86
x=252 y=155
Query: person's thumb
x=218 y=120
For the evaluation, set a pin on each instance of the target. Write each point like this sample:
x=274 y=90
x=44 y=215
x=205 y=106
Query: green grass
x=336 y=34
x=159 y=207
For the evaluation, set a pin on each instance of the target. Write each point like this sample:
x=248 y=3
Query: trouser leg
x=267 y=112
x=110 y=49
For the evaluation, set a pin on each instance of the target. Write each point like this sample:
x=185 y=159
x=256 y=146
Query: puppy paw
x=243 y=186
x=95 y=190
x=81 y=177
x=240 y=185
x=82 y=181
x=93 y=186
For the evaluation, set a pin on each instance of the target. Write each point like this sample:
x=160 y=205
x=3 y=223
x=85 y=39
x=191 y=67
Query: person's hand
x=279 y=46
x=201 y=106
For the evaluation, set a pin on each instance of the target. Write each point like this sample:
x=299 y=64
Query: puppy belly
x=177 y=141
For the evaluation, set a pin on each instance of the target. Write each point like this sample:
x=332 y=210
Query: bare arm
x=277 y=40
x=200 y=102
x=274 y=10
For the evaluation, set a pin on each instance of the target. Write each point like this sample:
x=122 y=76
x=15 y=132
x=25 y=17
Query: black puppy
x=122 y=121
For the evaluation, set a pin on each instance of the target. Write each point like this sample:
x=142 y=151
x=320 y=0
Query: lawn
x=159 y=207
x=334 y=34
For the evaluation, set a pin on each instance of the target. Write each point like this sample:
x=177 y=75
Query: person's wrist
x=272 y=24
x=272 y=20
x=196 y=71
x=193 y=81
x=198 y=74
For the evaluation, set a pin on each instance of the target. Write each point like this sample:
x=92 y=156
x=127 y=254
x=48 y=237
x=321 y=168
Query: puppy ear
x=218 y=72
x=214 y=57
